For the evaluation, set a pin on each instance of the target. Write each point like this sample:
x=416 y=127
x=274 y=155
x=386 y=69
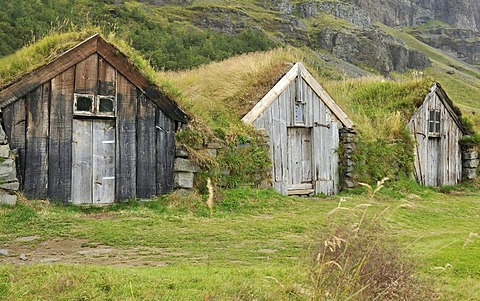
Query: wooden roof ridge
x=91 y=45
x=297 y=70
x=448 y=103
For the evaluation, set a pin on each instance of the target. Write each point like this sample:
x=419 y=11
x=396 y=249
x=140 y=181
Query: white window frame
x=95 y=105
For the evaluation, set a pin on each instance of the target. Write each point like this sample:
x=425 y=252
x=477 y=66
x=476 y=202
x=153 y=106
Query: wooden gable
x=297 y=70
x=85 y=51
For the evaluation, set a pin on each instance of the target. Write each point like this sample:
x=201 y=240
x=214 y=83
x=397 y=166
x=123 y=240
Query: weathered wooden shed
x=437 y=129
x=303 y=123
x=88 y=127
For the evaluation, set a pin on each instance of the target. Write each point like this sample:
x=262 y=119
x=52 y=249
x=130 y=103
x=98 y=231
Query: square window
x=83 y=103
x=106 y=104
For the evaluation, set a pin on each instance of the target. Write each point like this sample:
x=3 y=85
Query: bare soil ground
x=29 y=250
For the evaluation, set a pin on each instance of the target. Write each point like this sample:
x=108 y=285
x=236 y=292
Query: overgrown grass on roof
x=221 y=93
x=40 y=53
x=381 y=109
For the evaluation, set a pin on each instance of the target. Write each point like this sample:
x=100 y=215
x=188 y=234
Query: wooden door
x=299 y=160
x=93 y=166
x=432 y=177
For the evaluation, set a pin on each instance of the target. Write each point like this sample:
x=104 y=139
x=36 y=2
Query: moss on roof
x=36 y=55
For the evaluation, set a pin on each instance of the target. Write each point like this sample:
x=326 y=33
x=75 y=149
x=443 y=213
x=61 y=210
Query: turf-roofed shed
x=303 y=124
x=88 y=128
x=437 y=130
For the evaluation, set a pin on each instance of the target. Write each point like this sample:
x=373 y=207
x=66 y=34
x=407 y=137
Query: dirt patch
x=79 y=251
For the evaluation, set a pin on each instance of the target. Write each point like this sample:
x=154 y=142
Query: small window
x=299 y=113
x=434 y=123
x=91 y=105
x=84 y=103
x=106 y=105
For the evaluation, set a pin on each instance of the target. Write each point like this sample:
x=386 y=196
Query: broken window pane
x=105 y=105
x=84 y=103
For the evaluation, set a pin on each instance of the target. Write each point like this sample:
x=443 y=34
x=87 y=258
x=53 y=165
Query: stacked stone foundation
x=9 y=184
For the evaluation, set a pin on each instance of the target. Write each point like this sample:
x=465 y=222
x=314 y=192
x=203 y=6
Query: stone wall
x=185 y=169
x=348 y=144
x=8 y=173
x=470 y=162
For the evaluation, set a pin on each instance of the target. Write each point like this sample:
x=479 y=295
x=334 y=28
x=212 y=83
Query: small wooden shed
x=437 y=129
x=88 y=127
x=303 y=123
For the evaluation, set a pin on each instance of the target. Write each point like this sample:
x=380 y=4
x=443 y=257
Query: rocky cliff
x=364 y=44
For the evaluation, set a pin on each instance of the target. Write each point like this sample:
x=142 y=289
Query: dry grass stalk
x=210 y=196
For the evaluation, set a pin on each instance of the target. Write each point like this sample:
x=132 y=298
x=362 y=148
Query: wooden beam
x=329 y=102
x=47 y=72
x=271 y=95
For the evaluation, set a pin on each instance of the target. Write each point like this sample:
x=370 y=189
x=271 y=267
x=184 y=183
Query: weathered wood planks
x=165 y=133
x=82 y=157
x=126 y=146
x=36 y=175
x=60 y=142
x=146 y=149
x=103 y=163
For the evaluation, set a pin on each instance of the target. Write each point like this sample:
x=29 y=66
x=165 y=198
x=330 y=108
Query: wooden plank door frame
x=306 y=183
x=91 y=184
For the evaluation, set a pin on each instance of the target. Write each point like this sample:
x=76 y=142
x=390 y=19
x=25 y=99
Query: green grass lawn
x=257 y=245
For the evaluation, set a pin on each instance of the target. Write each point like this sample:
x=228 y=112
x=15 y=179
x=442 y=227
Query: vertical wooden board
x=126 y=147
x=334 y=164
x=146 y=149
x=276 y=137
x=14 y=118
x=82 y=151
x=161 y=133
x=165 y=151
x=86 y=75
x=107 y=76
x=282 y=127
x=291 y=156
x=103 y=166
x=290 y=96
x=172 y=126
x=60 y=142
x=36 y=154
x=306 y=155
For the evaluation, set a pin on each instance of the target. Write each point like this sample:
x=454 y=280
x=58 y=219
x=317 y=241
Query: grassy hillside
x=460 y=80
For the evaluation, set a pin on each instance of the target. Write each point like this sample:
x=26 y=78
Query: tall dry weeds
x=360 y=261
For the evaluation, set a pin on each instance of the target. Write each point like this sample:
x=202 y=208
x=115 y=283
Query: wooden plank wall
x=437 y=159
x=146 y=149
x=126 y=162
x=325 y=140
x=165 y=141
x=60 y=142
x=36 y=172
